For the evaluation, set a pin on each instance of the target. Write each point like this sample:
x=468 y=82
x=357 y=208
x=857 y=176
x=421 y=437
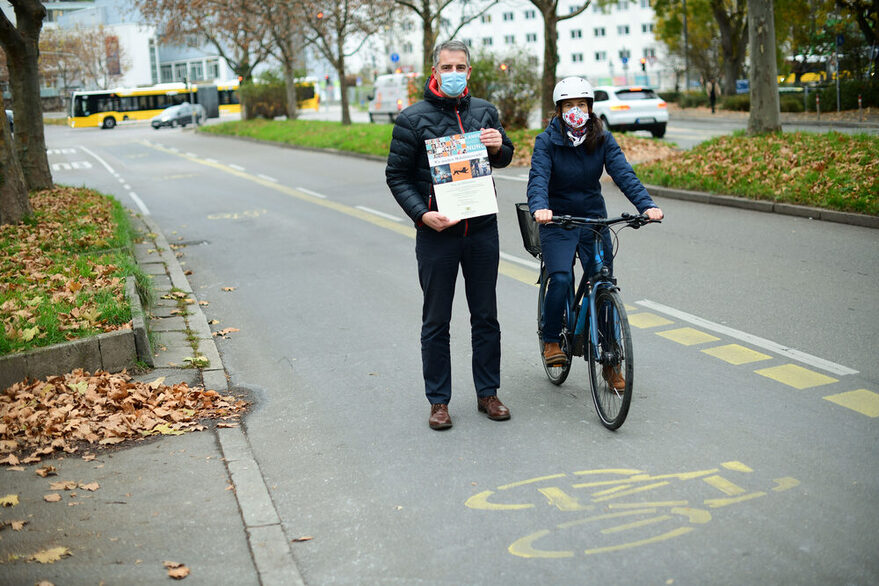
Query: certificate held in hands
x=461 y=176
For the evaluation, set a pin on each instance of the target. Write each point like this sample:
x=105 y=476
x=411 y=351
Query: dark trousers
x=439 y=254
x=559 y=245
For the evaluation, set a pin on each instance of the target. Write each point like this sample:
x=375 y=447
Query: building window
x=179 y=71
x=530 y=37
x=625 y=54
x=510 y=39
x=533 y=61
x=508 y=16
x=196 y=71
x=647 y=28
x=487 y=41
x=650 y=53
x=577 y=57
x=407 y=48
x=576 y=34
x=154 y=66
x=213 y=67
x=601 y=55
x=623 y=29
x=645 y=3
x=574 y=8
x=599 y=32
x=468 y=42
x=485 y=18
x=530 y=15
x=623 y=5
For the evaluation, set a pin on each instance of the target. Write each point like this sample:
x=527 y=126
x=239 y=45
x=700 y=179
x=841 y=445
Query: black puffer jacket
x=408 y=172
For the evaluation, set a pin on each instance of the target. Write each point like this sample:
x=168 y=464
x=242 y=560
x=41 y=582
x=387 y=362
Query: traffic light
x=320 y=14
x=643 y=63
x=503 y=67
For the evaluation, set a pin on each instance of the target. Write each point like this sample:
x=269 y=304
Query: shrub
x=266 y=97
x=737 y=103
x=791 y=103
x=671 y=96
x=693 y=99
x=515 y=91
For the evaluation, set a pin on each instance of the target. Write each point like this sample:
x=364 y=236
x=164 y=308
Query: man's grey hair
x=451 y=46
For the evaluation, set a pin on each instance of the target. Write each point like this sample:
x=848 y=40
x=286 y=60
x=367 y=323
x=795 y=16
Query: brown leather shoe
x=614 y=377
x=493 y=407
x=553 y=355
x=439 y=417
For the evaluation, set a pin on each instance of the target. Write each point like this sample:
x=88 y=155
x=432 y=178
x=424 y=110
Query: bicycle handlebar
x=632 y=220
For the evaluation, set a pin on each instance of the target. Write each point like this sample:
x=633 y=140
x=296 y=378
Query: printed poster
x=461 y=176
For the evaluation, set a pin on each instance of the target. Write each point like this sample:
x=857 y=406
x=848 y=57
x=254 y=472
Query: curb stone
x=269 y=546
x=765 y=206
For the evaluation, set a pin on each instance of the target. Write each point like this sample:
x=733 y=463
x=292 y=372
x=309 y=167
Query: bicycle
x=594 y=323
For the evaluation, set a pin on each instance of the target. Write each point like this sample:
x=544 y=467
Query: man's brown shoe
x=493 y=407
x=439 y=417
x=553 y=355
x=614 y=377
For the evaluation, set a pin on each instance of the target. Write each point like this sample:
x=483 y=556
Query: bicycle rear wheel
x=555 y=374
x=612 y=360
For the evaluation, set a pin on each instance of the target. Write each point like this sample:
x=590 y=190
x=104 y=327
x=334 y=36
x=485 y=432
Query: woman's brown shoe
x=553 y=355
x=614 y=377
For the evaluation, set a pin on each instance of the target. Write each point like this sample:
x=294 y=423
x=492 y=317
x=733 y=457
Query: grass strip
x=63 y=270
x=832 y=171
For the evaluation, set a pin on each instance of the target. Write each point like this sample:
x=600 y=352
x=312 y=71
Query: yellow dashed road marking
x=687 y=336
x=725 y=486
x=736 y=354
x=648 y=320
x=861 y=400
x=796 y=376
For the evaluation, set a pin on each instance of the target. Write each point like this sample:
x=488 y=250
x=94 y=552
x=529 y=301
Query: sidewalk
x=197 y=499
x=868 y=118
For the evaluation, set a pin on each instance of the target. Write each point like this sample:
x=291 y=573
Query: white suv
x=631 y=108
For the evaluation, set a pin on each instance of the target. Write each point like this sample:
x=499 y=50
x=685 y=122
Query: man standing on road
x=442 y=244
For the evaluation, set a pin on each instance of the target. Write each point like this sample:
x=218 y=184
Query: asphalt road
x=749 y=454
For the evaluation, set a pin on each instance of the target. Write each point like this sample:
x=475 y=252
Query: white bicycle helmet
x=570 y=88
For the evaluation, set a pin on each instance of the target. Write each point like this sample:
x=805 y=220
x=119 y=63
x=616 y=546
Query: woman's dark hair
x=594 y=129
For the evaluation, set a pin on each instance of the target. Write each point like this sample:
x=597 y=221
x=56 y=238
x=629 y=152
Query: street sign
x=395 y=57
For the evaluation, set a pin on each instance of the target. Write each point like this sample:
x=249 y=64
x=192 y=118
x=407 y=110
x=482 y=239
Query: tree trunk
x=550 y=61
x=14 y=202
x=290 y=82
x=733 y=40
x=22 y=55
x=428 y=38
x=764 y=115
x=343 y=88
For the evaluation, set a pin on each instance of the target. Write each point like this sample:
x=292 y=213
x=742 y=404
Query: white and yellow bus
x=107 y=108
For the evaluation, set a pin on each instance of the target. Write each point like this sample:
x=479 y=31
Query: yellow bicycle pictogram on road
x=617 y=516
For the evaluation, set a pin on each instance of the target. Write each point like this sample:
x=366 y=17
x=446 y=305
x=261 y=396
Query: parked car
x=9 y=117
x=391 y=95
x=179 y=115
x=631 y=108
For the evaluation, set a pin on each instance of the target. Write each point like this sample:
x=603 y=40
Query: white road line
x=126 y=186
x=821 y=363
x=99 y=159
x=520 y=178
x=212 y=161
x=193 y=155
x=524 y=262
x=267 y=178
x=139 y=203
x=380 y=214
x=237 y=167
x=312 y=193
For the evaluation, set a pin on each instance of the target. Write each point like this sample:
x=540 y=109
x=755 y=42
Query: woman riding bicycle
x=566 y=166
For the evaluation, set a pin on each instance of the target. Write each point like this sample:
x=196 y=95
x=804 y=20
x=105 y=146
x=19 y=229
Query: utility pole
x=686 y=50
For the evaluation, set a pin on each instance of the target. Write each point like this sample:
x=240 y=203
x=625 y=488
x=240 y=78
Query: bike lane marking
x=625 y=524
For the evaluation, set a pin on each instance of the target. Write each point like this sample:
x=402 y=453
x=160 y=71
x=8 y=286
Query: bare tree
x=764 y=116
x=232 y=27
x=282 y=21
x=551 y=19
x=60 y=59
x=732 y=18
x=337 y=29
x=102 y=59
x=21 y=44
x=432 y=22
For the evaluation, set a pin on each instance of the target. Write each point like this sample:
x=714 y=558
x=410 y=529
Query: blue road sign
x=395 y=57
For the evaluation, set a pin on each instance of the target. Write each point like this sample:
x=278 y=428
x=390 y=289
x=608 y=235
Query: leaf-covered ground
x=62 y=271
x=835 y=171
x=79 y=411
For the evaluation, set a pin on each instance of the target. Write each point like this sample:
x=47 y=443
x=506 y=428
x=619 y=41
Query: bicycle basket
x=528 y=227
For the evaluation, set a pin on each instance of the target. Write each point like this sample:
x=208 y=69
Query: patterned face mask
x=575 y=117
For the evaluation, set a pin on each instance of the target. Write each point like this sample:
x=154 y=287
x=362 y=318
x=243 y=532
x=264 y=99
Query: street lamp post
x=686 y=51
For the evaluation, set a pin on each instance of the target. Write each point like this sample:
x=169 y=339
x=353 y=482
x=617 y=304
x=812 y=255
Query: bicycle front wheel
x=556 y=373
x=610 y=364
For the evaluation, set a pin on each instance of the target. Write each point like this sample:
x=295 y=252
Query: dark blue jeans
x=558 y=246
x=439 y=254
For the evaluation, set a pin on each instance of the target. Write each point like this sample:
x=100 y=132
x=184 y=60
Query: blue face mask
x=453 y=83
